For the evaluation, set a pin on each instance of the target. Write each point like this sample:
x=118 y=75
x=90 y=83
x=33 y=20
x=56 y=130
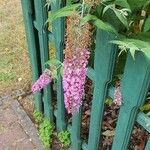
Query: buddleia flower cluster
x=117 y=95
x=78 y=40
x=73 y=81
x=43 y=81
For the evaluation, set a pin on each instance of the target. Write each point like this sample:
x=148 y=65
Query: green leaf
x=63 y=12
x=121 y=17
x=136 y=4
x=146 y=107
x=98 y=23
x=122 y=3
x=108 y=133
x=133 y=48
x=148 y=114
x=55 y=74
x=146 y=51
x=53 y=62
x=134 y=45
x=120 y=13
x=147 y=24
x=109 y=101
x=106 y=8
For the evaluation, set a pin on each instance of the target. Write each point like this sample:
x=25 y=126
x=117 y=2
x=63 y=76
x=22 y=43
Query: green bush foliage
x=64 y=137
x=38 y=116
x=45 y=133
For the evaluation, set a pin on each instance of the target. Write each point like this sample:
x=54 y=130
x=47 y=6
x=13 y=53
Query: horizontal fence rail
x=135 y=82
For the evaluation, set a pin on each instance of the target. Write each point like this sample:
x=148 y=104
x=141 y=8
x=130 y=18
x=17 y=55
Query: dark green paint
x=30 y=35
x=41 y=17
x=135 y=86
x=105 y=55
x=58 y=30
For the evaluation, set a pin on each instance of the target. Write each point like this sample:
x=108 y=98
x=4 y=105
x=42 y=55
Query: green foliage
x=48 y=3
x=45 y=129
x=64 y=137
x=145 y=107
x=122 y=17
x=109 y=101
x=65 y=11
x=53 y=62
x=147 y=24
x=120 y=13
x=134 y=45
x=122 y=3
x=136 y=5
x=38 y=116
x=56 y=68
x=6 y=76
x=98 y=23
x=45 y=133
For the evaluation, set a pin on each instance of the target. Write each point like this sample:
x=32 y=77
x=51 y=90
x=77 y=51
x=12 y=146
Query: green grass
x=6 y=76
x=14 y=61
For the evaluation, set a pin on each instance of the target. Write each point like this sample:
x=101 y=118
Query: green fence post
x=58 y=29
x=147 y=147
x=135 y=86
x=105 y=55
x=41 y=17
x=76 y=131
x=30 y=35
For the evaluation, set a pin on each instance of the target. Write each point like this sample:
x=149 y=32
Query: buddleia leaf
x=147 y=24
x=134 y=45
x=146 y=107
x=98 y=23
x=53 y=62
x=63 y=12
x=122 y=3
x=121 y=17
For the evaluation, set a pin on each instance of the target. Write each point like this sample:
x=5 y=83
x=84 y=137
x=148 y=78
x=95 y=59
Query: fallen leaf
x=108 y=133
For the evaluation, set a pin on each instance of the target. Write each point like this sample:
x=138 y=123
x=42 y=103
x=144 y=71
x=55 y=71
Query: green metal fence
x=135 y=83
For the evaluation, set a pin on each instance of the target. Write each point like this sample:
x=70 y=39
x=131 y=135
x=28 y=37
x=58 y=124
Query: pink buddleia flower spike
x=117 y=95
x=43 y=81
x=73 y=81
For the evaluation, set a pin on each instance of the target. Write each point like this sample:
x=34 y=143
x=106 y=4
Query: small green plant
x=109 y=101
x=64 y=137
x=38 y=116
x=45 y=133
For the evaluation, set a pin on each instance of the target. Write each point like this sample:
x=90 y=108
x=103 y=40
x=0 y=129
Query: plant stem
x=82 y=13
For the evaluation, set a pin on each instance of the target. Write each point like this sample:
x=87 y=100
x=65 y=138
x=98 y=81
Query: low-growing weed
x=64 y=137
x=45 y=133
x=38 y=116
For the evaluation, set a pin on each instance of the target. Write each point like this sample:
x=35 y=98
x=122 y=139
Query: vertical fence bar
x=105 y=55
x=76 y=130
x=58 y=29
x=41 y=17
x=30 y=35
x=135 y=86
x=147 y=147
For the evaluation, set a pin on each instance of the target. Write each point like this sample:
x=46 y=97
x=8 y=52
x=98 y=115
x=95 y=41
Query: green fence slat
x=30 y=35
x=105 y=55
x=75 y=131
x=147 y=147
x=91 y=73
x=135 y=86
x=41 y=17
x=144 y=121
x=58 y=30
